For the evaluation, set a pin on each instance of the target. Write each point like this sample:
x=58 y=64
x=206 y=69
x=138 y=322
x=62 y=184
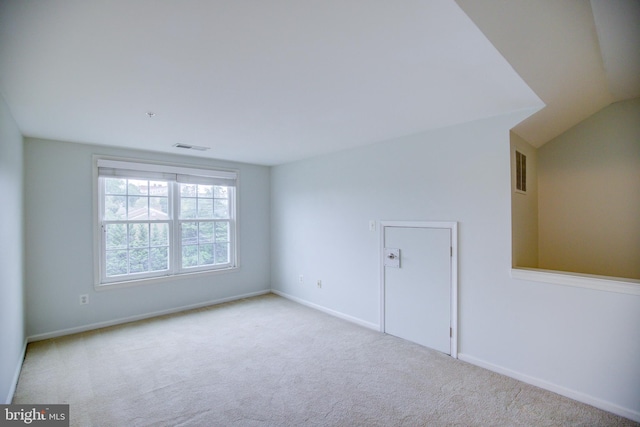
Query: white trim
x=454 y=289
x=564 y=391
x=334 y=313
x=96 y=208
x=452 y=226
x=16 y=375
x=588 y=281
x=98 y=325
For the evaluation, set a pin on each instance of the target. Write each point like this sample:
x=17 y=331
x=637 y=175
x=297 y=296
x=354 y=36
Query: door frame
x=452 y=226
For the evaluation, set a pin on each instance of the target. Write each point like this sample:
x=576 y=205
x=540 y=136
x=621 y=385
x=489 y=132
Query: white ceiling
x=271 y=82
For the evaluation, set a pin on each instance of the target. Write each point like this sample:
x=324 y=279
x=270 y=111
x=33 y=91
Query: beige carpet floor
x=267 y=361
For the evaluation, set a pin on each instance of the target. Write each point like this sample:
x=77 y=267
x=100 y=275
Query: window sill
x=587 y=281
x=161 y=279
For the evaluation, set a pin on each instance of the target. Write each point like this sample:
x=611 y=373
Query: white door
x=417 y=290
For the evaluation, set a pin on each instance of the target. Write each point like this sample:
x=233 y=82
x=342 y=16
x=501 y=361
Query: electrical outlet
x=301 y=279
x=84 y=299
x=319 y=283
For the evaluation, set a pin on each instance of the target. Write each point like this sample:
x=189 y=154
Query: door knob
x=391 y=257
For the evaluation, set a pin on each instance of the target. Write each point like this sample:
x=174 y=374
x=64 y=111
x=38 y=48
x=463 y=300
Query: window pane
x=116 y=263
x=116 y=236
x=159 y=259
x=220 y=192
x=206 y=254
x=140 y=220
x=222 y=253
x=189 y=256
x=221 y=208
x=188 y=190
x=138 y=260
x=115 y=186
x=222 y=231
x=206 y=232
x=138 y=235
x=158 y=188
x=159 y=207
x=187 y=208
x=138 y=208
x=159 y=234
x=115 y=207
x=189 y=233
x=138 y=186
x=205 y=208
x=205 y=191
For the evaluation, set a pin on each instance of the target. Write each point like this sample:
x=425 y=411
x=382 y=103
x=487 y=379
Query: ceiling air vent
x=191 y=147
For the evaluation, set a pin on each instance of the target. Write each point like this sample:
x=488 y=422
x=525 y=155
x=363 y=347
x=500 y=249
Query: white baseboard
x=16 y=375
x=92 y=326
x=572 y=394
x=338 y=314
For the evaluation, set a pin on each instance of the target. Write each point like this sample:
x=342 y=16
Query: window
x=162 y=220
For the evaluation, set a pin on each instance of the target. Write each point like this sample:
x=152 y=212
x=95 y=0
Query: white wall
x=524 y=208
x=582 y=342
x=589 y=187
x=59 y=242
x=12 y=318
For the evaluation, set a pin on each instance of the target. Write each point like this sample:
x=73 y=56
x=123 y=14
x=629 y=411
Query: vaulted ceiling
x=578 y=56
x=277 y=81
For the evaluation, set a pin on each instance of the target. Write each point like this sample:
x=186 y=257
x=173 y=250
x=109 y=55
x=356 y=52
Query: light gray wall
x=575 y=339
x=589 y=188
x=59 y=242
x=12 y=311
x=524 y=207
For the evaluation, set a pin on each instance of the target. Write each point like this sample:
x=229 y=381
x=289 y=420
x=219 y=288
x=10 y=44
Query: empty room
x=320 y=213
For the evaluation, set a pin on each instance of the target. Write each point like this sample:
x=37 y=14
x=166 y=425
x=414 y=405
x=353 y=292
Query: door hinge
x=450 y=332
x=451 y=250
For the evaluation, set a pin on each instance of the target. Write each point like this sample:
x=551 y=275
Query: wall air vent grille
x=521 y=172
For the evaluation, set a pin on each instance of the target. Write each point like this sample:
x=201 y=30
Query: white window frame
x=175 y=174
x=178 y=236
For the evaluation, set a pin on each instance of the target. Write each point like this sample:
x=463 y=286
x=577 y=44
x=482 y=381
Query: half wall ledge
x=589 y=281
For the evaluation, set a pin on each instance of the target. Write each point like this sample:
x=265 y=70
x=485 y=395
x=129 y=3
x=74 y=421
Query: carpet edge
x=555 y=388
x=338 y=314
x=119 y=321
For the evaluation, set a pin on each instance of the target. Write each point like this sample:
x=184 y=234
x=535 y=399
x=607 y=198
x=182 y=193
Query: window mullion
x=176 y=246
